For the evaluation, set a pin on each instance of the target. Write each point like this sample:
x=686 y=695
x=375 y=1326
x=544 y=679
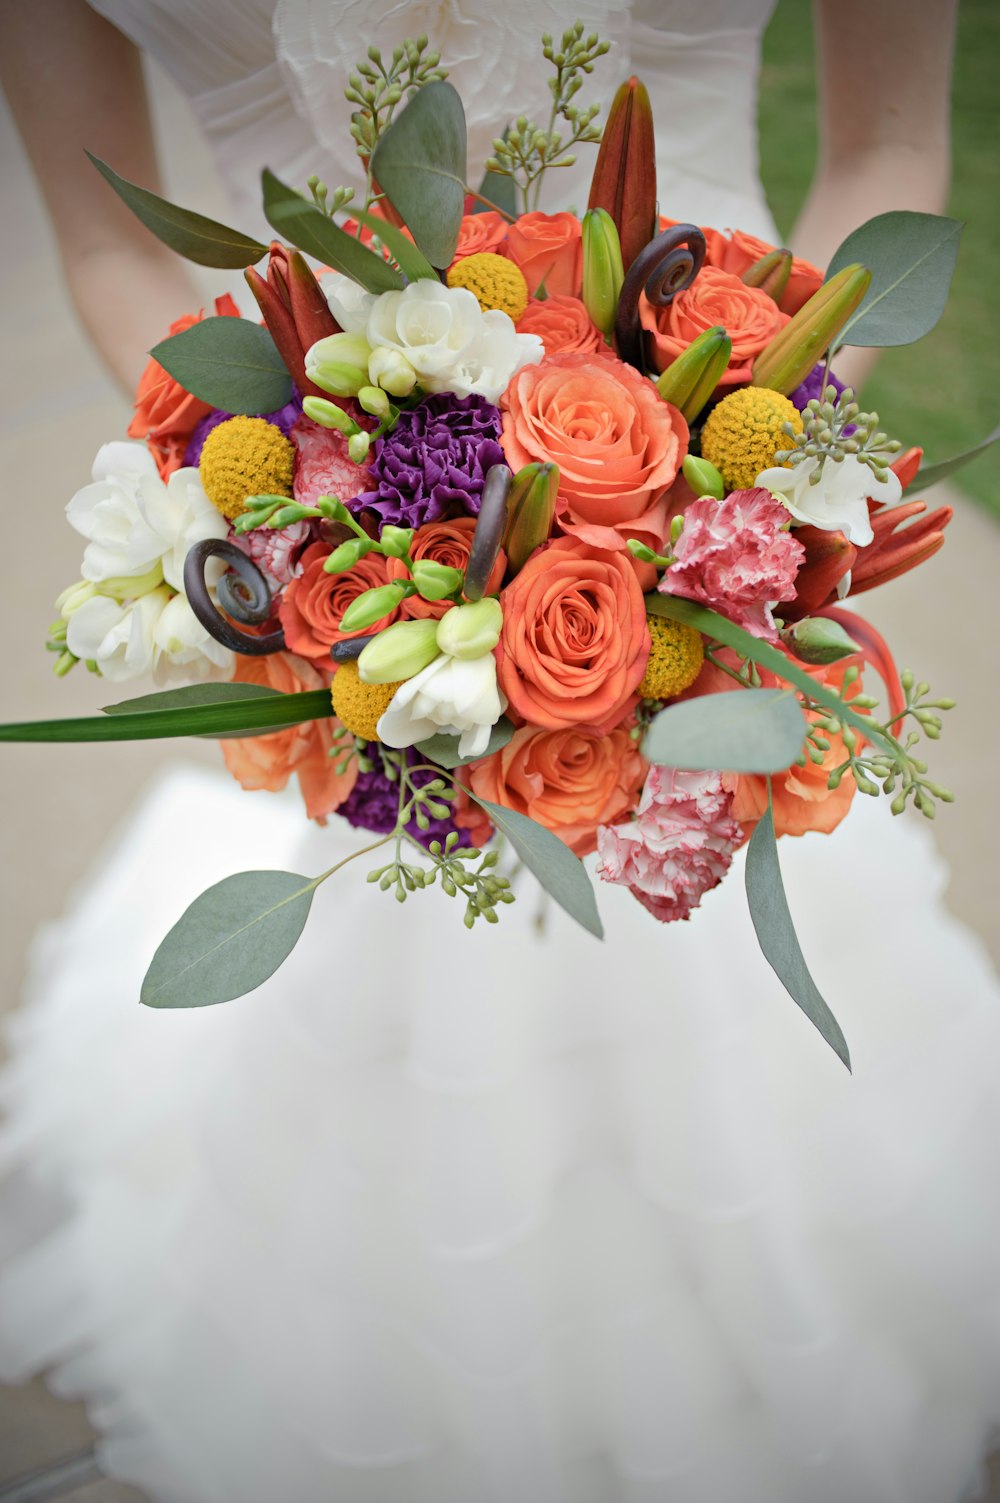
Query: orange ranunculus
x=574 y=643
x=166 y=414
x=446 y=543
x=479 y=233
x=563 y=325
x=549 y=250
x=313 y=605
x=618 y=445
x=738 y=251
x=750 y=317
x=269 y=761
x=570 y=780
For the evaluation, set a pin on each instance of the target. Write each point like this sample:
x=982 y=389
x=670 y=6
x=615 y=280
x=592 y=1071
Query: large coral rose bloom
x=564 y=326
x=618 y=445
x=750 y=317
x=548 y=248
x=574 y=643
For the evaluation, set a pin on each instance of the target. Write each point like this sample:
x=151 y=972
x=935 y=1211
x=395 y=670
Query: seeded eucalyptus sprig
x=824 y=437
x=328 y=203
x=377 y=87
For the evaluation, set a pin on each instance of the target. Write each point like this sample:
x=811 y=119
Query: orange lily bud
x=624 y=181
x=294 y=309
x=906 y=465
x=829 y=556
x=770 y=273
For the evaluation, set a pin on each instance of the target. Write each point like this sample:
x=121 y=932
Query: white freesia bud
x=469 y=631
x=449 y=697
x=339 y=364
x=392 y=372
x=398 y=652
x=838 y=502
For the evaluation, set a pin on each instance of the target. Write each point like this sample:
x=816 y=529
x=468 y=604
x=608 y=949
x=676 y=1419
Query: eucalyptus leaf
x=930 y=474
x=228 y=362
x=749 y=730
x=776 y=934
x=236 y=714
x=412 y=262
x=299 y=221
x=191 y=235
x=231 y=939
x=420 y=164
x=562 y=874
x=444 y=749
x=501 y=190
x=911 y=258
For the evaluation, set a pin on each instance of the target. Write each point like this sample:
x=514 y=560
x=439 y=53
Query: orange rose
x=574 y=643
x=313 y=605
x=737 y=251
x=549 y=250
x=749 y=317
x=446 y=543
x=166 y=414
x=269 y=761
x=481 y=232
x=618 y=445
x=563 y=325
x=570 y=781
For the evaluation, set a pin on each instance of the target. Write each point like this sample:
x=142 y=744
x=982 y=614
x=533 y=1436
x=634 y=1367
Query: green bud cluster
x=823 y=435
x=378 y=85
x=326 y=202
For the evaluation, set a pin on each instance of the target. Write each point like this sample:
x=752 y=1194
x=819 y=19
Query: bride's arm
x=73 y=80
x=884 y=77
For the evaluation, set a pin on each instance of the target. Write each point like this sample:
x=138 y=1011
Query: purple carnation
x=434 y=462
x=283 y=418
x=812 y=387
x=373 y=802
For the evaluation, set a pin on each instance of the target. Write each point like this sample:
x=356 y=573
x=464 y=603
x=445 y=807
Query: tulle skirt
x=439 y=1217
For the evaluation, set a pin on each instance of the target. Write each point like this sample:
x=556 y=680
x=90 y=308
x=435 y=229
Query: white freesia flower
x=157 y=634
x=452 y=697
x=181 y=515
x=108 y=515
x=181 y=640
x=838 y=502
x=349 y=303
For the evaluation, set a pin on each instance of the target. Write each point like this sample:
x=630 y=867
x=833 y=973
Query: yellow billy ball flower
x=743 y=434
x=675 y=658
x=495 y=281
x=245 y=456
x=359 y=706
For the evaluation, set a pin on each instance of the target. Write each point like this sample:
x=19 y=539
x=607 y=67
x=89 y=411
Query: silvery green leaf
x=420 y=164
x=562 y=874
x=230 y=363
x=749 y=730
x=911 y=258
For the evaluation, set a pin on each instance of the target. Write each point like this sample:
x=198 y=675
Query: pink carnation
x=275 y=551
x=679 y=846
x=735 y=556
x=322 y=464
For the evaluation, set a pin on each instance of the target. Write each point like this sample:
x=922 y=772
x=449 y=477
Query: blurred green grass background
x=943 y=392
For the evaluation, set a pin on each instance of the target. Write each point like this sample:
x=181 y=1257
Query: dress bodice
x=266 y=79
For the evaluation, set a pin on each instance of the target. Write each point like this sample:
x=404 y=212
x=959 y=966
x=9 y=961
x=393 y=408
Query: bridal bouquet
x=507 y=526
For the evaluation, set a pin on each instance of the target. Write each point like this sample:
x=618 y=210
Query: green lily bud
x=603 y=272
x=787 y=360
x=690 y=380
x=328 y=414
x=370 y=607
x=470 y=631
x=373 y=400
x=815 y=639
x=398 y=652
x=358 y=445
x=339 y=364
x=347 y=555
x=770 y=273
x=703 y=478
x=131 y=586
x=395 y=542
x=435 y=581
x=531 y=512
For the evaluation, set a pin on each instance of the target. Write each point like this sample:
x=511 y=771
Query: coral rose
x=166 y=414
x=446 y=543
x=301 y=750
x=618 y=445
x=570 y=781
x=750 y=317
x=574 y=643
x=313 y=605
x=549 y=250
x=481 y=232
x=563 y=325
x=738 y=251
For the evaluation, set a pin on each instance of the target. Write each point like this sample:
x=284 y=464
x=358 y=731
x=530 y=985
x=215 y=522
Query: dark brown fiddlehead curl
x=666 y=266
x=247 y=598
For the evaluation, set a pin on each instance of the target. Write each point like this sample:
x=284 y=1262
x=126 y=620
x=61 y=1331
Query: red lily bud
x=295 y=310
x=897 y=549
x=829 y=556
x=624 y=181
x=906 y=466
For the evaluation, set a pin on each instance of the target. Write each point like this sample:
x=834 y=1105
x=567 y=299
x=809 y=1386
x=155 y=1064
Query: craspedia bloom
x=676 y=654
x=358 y=706
x=744 y=433
x=245 y=456
x=495 y=282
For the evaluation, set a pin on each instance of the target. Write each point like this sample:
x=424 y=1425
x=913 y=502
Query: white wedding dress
x=446 y=1218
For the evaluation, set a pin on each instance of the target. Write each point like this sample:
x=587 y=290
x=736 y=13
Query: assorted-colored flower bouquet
x=512 y=524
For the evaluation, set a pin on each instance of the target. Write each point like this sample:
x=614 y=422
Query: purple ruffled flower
x=434 y=462
x=283 y=418
x=812 y=387
x=373 y=802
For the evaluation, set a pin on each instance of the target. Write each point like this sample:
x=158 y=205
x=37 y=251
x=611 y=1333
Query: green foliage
x=444 y=749
x=183 y=712
x=420 y=162
x=376 y=88
x=563 y=875
x=228 y=362
x=749 y=730
x=306 y=226
x=911 y=258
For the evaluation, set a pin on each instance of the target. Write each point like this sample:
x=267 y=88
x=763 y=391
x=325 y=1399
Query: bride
x=521 y=1216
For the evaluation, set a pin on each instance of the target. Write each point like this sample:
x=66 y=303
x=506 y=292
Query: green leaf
x=777 y=937
x=411 y=261
x=192 y=694
x=930 y=474
x=749 y=730
x=250 y=715
x=313 y=232
x=562 y=874
x=191 y=235
x=444 y=749
x=911 y=258
x=420 y=163
x=501 y=190
x=228 y=362
x=230 y=940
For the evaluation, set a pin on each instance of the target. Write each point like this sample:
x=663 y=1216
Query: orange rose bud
x=624 y=181
x=295 y=311
x=770 y=273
